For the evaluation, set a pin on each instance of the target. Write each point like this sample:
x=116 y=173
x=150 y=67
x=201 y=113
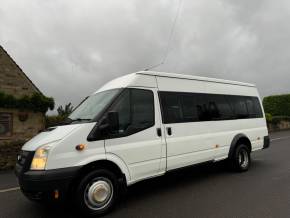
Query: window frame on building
x=9 y=133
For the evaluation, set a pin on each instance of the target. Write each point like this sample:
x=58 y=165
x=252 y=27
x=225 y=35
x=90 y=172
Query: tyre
x=96 y=193
x=241 y=159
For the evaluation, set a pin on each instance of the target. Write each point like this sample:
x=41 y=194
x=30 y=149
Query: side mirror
x=110 y=125
x=113 y=121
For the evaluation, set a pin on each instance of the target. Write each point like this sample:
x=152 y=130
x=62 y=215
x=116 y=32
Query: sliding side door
x=187 y=125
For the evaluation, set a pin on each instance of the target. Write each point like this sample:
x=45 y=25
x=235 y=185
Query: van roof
x=190 y=77
x=148 y=80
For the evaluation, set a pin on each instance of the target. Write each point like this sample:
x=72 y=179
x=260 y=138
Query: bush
x=277 y=105
x=53 y=120
x=37 y=102
x=268 y=117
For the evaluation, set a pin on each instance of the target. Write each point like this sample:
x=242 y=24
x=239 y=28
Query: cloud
x=70 y=48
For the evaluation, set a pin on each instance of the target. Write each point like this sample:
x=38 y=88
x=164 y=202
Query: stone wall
x=8 y=154
x=23 y=130
x=281 y=125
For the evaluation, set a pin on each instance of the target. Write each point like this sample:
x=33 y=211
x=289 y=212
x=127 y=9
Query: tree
x=65 y=111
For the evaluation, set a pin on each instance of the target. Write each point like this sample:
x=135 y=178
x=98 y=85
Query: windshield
x=93 y=105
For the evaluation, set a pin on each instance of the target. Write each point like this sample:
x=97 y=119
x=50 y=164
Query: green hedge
x=36 y=102
x=277 y=105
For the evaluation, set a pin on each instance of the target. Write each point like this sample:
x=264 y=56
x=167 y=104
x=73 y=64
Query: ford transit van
x=140 y=126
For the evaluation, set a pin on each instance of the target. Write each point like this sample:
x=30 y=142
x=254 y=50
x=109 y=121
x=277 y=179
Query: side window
x=216 y=107
x=171 y=110
x=257 y=107
x=224 y=108
x=239 y=106
x=5 y=125
x=254 y=107
x=122 y=106
x=135 y=108
x=189 y=108
x=142 y=108
x=250 y=107
x=202 y=107
x=213 y=109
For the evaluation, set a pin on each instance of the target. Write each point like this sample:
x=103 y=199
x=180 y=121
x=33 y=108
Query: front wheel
x=97 y=193
x=241 y=159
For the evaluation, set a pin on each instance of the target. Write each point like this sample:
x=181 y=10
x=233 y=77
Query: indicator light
x=56 y=194
x=80 y=147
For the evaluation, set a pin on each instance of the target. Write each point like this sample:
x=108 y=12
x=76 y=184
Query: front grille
x=24 y=159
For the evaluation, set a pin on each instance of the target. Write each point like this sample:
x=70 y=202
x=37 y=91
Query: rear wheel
x=241 y=159
x=97 y=193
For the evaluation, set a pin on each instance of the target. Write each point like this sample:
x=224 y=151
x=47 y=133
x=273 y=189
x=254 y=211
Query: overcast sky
x=71 y=48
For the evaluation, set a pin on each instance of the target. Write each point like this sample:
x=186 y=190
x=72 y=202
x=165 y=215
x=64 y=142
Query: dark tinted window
x=254 y=108
x=171 y=109
x=202 y=107
x=122 y=106
x=135 y=108
x=219 y=107
x=238 y=104
x=142 y=105
x=191 y=107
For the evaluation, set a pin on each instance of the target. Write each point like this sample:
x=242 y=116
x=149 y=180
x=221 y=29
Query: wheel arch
x=110 y=162
x=237 y=140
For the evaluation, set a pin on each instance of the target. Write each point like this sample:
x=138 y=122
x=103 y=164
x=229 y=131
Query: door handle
x=158 y=130
x=169 y=130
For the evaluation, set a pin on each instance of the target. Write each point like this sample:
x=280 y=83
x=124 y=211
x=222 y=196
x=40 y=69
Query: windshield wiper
x=78 y=119
x=68 y=121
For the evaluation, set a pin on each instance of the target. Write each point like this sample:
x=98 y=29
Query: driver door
x=137 y=140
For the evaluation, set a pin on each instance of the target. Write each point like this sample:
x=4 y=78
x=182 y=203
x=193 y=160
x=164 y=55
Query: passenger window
x=250 y=107
x=224 y=108
x=189 y=108
x=136 y=111
x=257 y=107
x=142 y=106
x=171 y=110
x=195 y=107
x=123 y=108
x=202 y=107
x=254 y=108
x=239 y=106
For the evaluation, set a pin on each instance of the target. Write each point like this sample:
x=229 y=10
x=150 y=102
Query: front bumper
x=37 y=185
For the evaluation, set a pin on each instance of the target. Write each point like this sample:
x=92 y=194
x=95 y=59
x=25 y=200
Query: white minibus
x=140 y=126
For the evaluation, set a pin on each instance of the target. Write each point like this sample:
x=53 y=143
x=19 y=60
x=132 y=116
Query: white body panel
x=144 y=154
x=141 y=151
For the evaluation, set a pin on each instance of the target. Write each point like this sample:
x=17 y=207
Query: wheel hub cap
x=98 y=194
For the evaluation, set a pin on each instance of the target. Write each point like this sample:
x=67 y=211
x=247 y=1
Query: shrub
x=36 y=102
x=53 y=120
x=277 y=105
x=269 y=117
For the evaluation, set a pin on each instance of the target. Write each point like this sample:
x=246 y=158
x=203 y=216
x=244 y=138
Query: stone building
x=16 y=124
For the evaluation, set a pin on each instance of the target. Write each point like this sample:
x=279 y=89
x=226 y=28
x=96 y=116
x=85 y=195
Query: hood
x=51 y=135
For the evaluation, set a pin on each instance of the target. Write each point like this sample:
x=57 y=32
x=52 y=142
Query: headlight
x=40 y=158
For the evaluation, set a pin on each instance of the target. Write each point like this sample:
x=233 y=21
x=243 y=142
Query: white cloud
x=70 y=48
